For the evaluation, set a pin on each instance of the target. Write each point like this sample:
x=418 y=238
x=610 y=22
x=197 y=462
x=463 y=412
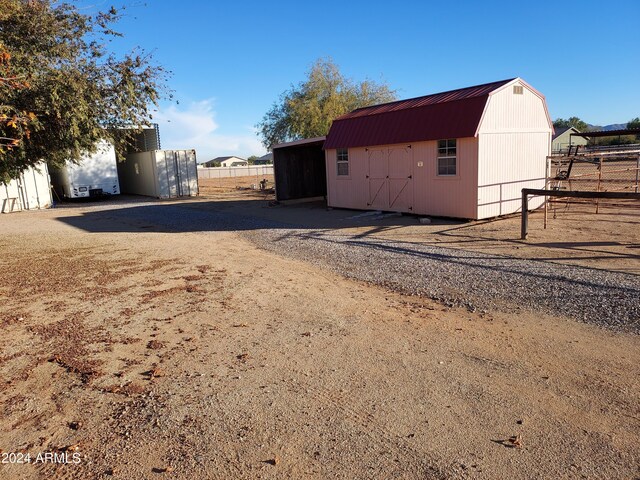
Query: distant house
x=264 y=160
x=562 y=139
x=226 y=162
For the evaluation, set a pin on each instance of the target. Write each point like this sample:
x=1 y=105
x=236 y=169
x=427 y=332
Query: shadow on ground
x=252 y=213
x=236 y=215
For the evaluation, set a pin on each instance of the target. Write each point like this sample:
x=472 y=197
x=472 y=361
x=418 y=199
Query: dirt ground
x=154 y=354
x=212 y=186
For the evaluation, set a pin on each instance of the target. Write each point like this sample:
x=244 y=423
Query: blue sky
x=231 y=60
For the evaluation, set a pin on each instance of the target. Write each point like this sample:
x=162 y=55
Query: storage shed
x=159 y=173
x=299 y=169
x=31 y=190
x=464 y=153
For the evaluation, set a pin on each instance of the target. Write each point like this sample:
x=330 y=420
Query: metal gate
x=390 y=179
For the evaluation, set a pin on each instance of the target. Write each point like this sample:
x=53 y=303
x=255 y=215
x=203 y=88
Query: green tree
x=14 y=124
x=252 y=159
x=574 y=122
x=634 y=123
x=307 y=110
x=61 y=90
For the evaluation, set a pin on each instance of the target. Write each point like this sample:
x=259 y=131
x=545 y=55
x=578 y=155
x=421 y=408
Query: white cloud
x=194 y=126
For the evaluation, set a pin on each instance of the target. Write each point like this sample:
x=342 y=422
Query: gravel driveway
x=472 y=280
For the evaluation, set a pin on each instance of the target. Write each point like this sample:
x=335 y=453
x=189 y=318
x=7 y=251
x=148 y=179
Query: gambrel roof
x=452 y=114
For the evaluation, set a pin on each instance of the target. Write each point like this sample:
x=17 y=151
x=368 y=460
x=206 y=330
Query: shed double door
x=390 y=179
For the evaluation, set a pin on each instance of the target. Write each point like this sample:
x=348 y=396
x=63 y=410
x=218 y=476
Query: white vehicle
x=96 y=175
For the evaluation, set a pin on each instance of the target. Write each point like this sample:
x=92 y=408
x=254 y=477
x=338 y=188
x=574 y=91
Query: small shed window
x=518 y=90
x=447 y=158
x=343 y=161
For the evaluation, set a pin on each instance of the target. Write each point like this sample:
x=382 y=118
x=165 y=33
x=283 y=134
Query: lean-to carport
x=299 y=169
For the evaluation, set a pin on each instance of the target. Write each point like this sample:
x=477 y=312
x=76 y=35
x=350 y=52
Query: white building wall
x=514 y=139
x=509 y=162
x=507 y=111
x=228 y=162
x=31 y=190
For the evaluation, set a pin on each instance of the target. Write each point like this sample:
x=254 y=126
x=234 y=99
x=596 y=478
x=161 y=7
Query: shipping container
x=160 y=173
x=94 y=175
x=31 y=190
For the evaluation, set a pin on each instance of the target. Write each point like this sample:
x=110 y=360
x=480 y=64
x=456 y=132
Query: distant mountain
x=613 y=126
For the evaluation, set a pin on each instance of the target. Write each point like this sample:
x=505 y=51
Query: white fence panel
x=230 y=172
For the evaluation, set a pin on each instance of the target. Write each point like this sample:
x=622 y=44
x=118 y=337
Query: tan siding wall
x=348 y=191
x=432 y=195
x=330 y=168
x=446 y=196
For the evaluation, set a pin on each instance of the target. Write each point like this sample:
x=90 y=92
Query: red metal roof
x=453 y=114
